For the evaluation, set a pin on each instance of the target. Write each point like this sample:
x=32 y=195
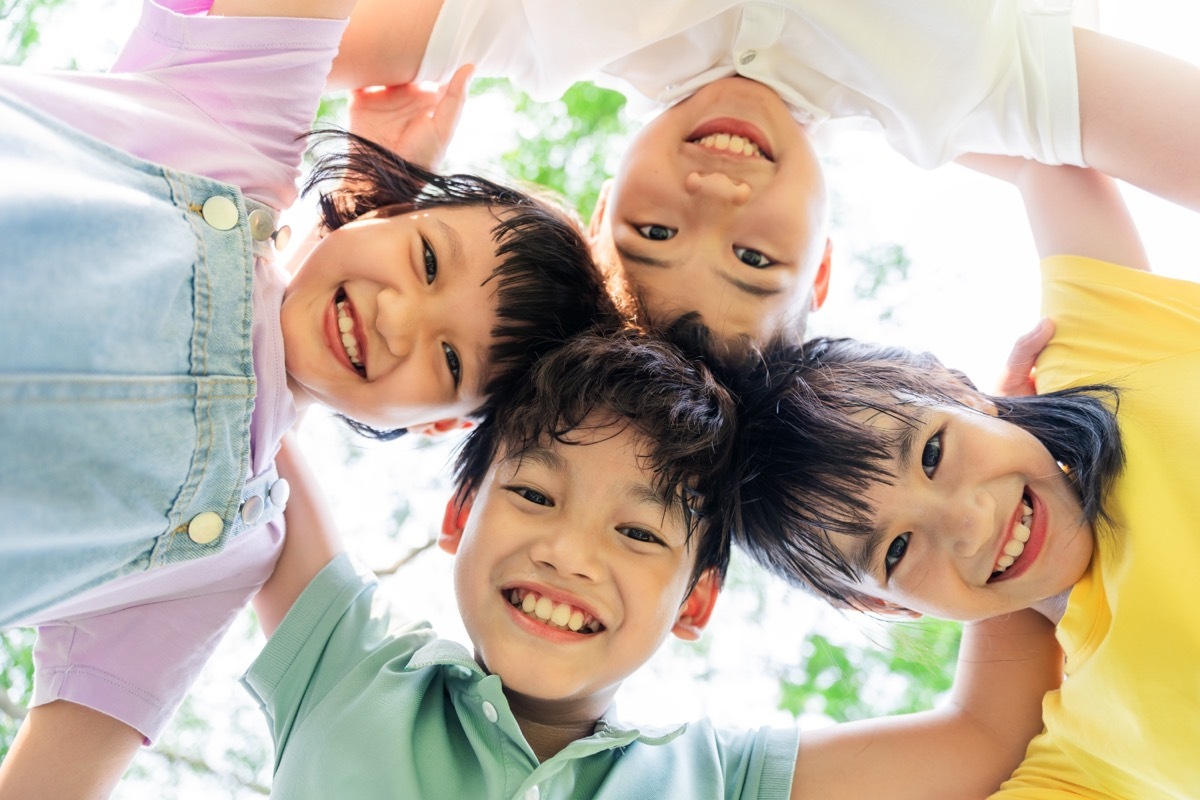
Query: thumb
x=1018 y=379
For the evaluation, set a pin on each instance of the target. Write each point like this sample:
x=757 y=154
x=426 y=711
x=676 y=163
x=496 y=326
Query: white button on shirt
x=252 y=510
x=533 y=793
x=489 y=711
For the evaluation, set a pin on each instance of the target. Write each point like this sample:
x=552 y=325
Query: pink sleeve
x=136 y=657
x=257 y=79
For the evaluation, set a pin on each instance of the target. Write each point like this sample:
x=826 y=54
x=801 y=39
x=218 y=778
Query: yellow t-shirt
x=1126 y=722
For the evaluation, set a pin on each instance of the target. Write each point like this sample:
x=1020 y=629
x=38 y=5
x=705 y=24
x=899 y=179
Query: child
x=154 y=356
x=907 y=491
x=719 y=207
x=585 y=530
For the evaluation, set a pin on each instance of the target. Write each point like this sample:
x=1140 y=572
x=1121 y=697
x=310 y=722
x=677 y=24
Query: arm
x=384 y=43
x=312 y=9
x=311 y=541
x=1139 y=112
x=65 y=751
x=1072 y=211
x=964 y=750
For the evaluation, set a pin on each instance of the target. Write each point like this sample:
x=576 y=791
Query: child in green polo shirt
x=584 y=530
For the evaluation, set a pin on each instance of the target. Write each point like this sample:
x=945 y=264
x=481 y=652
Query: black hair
x=683 y=418
x=805 y=455
x=547 y=286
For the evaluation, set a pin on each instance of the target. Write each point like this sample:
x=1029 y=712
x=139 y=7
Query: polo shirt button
x=205 y=527
x=252 y=510
x=489 y=711
x=220 y=212
x=461 y=672
x=747 y=57
x=533 y=793
x=281 y=490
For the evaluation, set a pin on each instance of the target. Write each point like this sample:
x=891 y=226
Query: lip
x=1033 y=548
x=738 y=127
x=539 y=629
x=333 y=334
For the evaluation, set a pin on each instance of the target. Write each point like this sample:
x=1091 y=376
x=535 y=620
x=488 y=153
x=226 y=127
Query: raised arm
x=962 y=751
x=311 y=541
x=1139 y=113
x=1072 y=211
x=384 y=44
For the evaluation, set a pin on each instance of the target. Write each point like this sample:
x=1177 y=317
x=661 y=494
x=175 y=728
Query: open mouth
x=562 y=616
x=732 y=137
x=1010 y=562
x=348 y=330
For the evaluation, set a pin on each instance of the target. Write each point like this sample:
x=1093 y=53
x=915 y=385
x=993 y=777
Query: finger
x=449 y=108
x=1018 y=378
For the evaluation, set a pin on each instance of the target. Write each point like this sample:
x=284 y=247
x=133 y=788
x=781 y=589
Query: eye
x=752 y=258
x=532 y=495
x=895 y=552
x=453 y=364
x=931 y=454
x=430 y=260
x=656 y=233
x=639 y=535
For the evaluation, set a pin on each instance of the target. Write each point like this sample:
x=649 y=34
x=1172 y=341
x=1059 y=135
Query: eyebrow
x=644 y=494
x=540 y=455
x=657 y=263
x=453 y=240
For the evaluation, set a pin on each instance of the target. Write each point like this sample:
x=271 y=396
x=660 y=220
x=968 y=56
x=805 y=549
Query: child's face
x=737 y=236
x=577 y=533
x=970 y=488
x=388 y=320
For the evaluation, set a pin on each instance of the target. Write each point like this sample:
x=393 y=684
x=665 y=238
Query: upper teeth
x=1016 y=545
x=732 y=143
x=556 y=615
x=346 y=326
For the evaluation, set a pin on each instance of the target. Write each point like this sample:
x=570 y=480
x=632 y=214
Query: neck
x=551 y=725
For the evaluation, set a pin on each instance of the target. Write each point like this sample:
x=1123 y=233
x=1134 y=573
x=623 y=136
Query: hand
x=415 y=123
x=1020 y=375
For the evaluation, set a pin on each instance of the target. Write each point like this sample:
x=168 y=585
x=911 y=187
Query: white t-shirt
x=940 y=77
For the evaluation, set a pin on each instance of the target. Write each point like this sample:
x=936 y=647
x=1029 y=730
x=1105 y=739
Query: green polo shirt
x=364 y=704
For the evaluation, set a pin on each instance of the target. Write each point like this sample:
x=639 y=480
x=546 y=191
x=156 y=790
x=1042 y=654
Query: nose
x=966 y=525
x=717 y=187
x=397 y=319
x=570 y=548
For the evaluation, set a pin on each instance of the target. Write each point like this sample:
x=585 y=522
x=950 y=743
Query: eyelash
x=742 y=252
x=932 y=452
x=644 y=232
x=453 y=363
x=531 y=496
x=640 y=535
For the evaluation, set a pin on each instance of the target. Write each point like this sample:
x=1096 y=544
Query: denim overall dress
x=126 y=377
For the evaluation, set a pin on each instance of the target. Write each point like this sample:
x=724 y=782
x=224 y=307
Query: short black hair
x=547 y=286
x=683 y=417
x=804 y=461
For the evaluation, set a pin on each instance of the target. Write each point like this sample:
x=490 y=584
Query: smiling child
x=718 y=208
x=927 y=496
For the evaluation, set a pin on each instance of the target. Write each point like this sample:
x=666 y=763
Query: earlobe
x=886 y=608
x=599 y=210
x=442 y=426
x=698 y=607
x=820 y=289
x=454 y=522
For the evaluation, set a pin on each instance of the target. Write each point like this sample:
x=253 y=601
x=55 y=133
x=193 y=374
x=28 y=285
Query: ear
x=454 y=522
x=599 y=211
x=698 y=607
x=820 y=289
x=441 y=426
x=885 y=608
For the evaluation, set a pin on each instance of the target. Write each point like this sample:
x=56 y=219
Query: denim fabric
x=126 y=379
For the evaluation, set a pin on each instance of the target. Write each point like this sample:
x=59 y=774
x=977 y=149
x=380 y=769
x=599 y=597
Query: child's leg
x=1140 y=110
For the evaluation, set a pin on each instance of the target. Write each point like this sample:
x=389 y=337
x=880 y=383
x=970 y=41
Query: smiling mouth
x=1015 y=546
x=562 y=616
x=732 y=137
x=345 y=322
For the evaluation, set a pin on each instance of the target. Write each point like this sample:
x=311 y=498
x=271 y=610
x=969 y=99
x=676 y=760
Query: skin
x=943 y=522
x=582 y=525
x=890 y=758
x=408 y=280
x=739 y=238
